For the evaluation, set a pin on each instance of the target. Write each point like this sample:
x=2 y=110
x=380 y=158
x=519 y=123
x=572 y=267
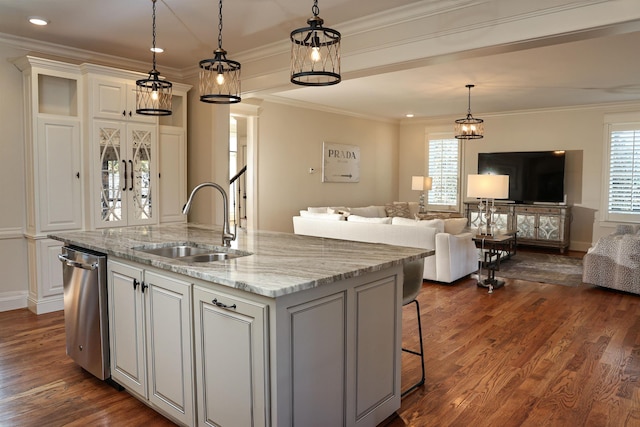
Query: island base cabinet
x=151 y=338
x=338 y=353
x=231 y=359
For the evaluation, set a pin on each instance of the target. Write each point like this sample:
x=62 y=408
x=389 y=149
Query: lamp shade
x=488 y=186
x=421 y=183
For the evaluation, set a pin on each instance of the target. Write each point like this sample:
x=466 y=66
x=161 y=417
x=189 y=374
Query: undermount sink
x=189 y=253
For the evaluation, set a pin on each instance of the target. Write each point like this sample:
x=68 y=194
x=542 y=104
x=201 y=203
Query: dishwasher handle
x=77 y=264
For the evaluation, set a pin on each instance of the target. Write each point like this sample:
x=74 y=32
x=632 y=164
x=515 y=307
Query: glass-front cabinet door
x=142 y=146
x=126 y=164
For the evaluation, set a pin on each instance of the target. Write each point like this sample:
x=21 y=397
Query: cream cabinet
x=114 y=98
x=231 y=359
x=126 y=153
x=151 y=337
x=53 y=170
x=172 y=169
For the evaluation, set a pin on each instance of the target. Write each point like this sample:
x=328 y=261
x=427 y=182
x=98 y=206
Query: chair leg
x=421 y=353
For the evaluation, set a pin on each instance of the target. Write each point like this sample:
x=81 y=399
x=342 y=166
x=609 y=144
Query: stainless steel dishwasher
x=84 y=276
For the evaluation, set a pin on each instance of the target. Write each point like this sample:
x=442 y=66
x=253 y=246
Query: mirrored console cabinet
x=537 y=225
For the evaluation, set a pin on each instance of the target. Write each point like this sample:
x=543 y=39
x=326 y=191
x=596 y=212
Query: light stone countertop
x=279 y=264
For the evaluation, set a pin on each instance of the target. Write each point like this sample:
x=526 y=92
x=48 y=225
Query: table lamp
x=488 y=187
x=421 y=183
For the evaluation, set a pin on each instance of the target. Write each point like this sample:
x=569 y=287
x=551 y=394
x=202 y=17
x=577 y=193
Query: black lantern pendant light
x=153 y=96
x=219 y=76
x=469 y=127
x=315 y=53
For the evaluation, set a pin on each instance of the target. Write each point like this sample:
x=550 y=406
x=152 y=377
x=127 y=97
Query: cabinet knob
x=78 y=175
x=124 y=113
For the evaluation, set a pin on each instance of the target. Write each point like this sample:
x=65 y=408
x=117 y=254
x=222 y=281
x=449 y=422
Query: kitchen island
x=288 y=331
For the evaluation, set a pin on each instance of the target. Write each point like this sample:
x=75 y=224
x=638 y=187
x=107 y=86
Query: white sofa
x=455 y=254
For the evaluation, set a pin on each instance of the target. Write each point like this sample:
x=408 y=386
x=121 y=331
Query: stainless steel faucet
x=227 y=235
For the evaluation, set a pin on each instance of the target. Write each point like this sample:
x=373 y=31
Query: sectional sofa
x=455 y=253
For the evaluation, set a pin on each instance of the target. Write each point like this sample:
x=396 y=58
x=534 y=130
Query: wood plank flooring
x=529 y=354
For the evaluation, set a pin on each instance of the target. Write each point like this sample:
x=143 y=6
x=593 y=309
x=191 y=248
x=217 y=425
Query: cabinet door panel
x=126 y=327
x=169 y=345
x=549 y=227
x=231 y=360
x=172 y=174
x=111 y=179
x=59 y=188
x=109 y=99
x=378 y=334
x=526 y=226
x=319 y=369
x=141 y=141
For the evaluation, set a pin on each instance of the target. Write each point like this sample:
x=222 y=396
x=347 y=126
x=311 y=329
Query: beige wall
x=13 y=247
x=579 y=131
x=290 y=142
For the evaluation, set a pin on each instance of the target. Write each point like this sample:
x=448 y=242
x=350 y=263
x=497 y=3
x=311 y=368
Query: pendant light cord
x=220 y=26
x=154 y=35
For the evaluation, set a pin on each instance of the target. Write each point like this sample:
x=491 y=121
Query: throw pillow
x=438 y=224
x=318 y=210
x=398 y=220
x=371 y=220
x=369 y=211
x=397 y=209
x=414 y=208
x=323 y=216
x=439 y=215
x=454 y=225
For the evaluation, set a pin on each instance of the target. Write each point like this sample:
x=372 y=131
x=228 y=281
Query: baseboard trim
x=580 y=246
x=13 y=300
x=47 y=306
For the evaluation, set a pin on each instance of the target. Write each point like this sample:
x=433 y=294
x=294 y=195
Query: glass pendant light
x=153 y=96
x=315 y=53
x=469 y=127
x=219 y=76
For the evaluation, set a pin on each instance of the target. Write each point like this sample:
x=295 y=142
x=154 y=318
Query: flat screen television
x=534 y=176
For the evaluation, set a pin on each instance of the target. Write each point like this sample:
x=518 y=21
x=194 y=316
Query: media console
x=537 y=225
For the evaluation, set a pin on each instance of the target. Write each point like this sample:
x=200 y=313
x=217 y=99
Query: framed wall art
x=340 y=162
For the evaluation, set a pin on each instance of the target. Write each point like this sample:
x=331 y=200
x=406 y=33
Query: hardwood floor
x=529 y=354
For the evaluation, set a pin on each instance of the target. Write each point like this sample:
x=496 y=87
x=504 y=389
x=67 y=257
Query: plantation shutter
x=444 y=170
x=624 y=171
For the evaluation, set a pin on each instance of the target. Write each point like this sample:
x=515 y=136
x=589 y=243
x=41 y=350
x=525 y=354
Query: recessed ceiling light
x=157 y=49
x=409 y=115
x=36 y=20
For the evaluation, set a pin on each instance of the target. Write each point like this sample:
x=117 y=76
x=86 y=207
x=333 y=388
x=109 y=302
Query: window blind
x=444 y=170
x=624 y=172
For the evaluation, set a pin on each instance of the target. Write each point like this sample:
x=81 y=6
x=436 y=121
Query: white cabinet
x=338 y=353
x=53 y=174
x=115 y=99
x=124 y=181
x=231 y=359
x=125 y=151
x=151 y=337
x=172 y=173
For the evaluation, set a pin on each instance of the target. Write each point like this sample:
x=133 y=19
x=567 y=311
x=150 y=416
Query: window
x=623 y=186
x=444 y=170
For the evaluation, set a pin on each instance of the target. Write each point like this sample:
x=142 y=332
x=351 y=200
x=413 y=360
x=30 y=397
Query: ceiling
x=598 y=67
